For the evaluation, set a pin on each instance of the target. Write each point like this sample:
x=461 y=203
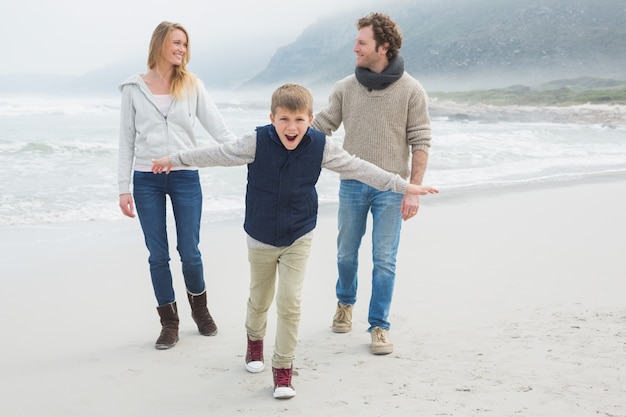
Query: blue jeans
x=150 y=191
x=355 y=202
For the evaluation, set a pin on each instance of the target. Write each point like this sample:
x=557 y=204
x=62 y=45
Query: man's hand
x=411 y=201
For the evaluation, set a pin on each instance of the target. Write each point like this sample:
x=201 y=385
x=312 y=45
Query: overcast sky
x=76 y=36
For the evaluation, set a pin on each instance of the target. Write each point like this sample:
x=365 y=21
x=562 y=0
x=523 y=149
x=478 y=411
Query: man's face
x=366 y=54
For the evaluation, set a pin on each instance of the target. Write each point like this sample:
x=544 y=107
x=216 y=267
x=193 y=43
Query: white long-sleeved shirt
x=335 y=158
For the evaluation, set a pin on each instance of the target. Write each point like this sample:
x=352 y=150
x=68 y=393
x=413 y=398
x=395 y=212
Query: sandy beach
x=509 y=302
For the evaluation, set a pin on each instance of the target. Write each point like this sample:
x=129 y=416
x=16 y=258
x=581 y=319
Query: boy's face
x=291 y=126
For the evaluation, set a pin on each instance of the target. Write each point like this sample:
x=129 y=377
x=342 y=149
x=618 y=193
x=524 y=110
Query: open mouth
x=291 y=138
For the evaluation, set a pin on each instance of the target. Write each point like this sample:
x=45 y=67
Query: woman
x=158 y=113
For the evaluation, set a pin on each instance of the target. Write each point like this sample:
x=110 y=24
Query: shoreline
x=83 y=227
x=606 y=115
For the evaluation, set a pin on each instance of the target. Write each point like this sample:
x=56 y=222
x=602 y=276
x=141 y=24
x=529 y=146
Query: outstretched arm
x=237 y=152
x=338 y=160
x=414 y=189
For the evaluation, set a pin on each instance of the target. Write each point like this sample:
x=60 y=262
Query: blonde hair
x=181 y=78
x=292 y=97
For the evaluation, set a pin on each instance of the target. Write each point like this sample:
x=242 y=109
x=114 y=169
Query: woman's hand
x=126 y=205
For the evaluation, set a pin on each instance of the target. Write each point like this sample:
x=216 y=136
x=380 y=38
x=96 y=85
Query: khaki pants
x=291 y=264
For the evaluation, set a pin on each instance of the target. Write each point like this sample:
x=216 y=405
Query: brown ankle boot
x=169 y=326
x=200 y=314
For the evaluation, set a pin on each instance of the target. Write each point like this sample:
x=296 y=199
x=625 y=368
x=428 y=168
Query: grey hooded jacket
x=146 y=134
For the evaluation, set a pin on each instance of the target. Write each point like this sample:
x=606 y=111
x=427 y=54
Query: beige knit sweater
x=383 y=127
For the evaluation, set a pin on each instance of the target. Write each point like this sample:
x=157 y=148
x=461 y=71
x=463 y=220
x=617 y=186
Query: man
x=385 y=116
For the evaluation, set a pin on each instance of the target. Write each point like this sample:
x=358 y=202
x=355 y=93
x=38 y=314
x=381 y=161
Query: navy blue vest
x=281 y=200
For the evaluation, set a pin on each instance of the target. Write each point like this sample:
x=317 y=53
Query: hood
x=132 y=80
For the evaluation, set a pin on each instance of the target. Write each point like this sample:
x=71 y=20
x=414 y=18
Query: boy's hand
x=421 y=189
x=158 y=165
x=411 y=202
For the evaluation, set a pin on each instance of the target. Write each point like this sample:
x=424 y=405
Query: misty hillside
x=466 y=44
x=449 y=45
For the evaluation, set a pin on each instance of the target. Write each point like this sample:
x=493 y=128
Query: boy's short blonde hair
x=292 y=97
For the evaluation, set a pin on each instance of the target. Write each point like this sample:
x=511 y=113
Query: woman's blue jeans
x=355 y=202
x=150 y=191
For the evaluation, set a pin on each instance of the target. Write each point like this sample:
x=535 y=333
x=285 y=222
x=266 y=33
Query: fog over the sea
x=75 y=47
x=74 y=37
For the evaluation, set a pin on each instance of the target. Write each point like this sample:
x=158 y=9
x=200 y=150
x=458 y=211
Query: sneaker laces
x=380 y=335
x=341 y=315
x=255 y=350
x=282 y=377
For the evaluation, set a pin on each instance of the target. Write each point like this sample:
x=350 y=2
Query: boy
x=284 y=161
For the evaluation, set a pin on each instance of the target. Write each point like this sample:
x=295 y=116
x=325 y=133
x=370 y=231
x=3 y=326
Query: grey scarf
x=382 y=80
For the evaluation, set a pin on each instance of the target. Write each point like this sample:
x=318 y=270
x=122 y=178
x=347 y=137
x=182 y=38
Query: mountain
x=449 y=45
x=464 y=44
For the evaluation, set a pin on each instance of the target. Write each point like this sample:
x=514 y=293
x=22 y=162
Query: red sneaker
x=254 y=356
x=282 y=383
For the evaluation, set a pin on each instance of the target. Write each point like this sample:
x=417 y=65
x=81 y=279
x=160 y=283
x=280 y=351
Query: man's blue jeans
x=355 y=201
x=150 y=191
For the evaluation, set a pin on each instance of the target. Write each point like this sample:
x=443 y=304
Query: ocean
x=59 y=157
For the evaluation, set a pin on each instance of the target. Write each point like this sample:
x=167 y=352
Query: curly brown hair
x=386 y=31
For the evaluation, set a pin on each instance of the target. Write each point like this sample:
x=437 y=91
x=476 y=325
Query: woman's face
x=175 y=47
